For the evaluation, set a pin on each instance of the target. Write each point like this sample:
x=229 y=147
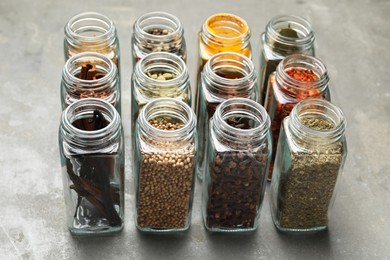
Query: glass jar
x=238 y=159
x=90 y=74
x=309 y=161
x=158 y=32
x=222 y=32
x=92 y=162
x=226 y=75
x=296 y=78
x=283 y=36
x=164 y=166
x=158 y=74
x=91 y=32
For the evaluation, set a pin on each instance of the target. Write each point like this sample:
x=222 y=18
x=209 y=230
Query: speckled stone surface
x=353 y=38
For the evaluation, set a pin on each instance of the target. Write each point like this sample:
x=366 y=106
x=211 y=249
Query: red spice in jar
x=282 y=99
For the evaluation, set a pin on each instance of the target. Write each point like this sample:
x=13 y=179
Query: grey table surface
x=352 y=39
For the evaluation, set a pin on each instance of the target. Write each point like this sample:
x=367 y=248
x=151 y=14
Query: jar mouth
x=161 y=62
x=158 y=20
x=318 y=109
x=103 y=65
x=167 y=107
x=84 y=109
x=226 y=27
x=255 y=126
x=90 y=27
x=302 y=62
x=230 y=69
x=300 y=25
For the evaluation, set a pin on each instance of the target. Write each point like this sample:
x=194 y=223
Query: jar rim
x=158 y=14
x=326 y=110
x=305 y=25
x=189 y=126
x=109 y=31
x=112 y=69
x=304 y=60
x=209 y=29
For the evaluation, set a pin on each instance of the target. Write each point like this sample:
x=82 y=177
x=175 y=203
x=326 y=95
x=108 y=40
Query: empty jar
x=91 y=32
x=283 y=36
x=164 y=166
x=309 y=162
x=226 y=75
x=158 y=32
x=238 y=158
x=222 y=32
x=92 y=162
x=297 y=77
x=90 y=74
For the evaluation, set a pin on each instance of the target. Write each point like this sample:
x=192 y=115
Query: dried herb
x=306 y=189
x=90 y=176
x=288 y=32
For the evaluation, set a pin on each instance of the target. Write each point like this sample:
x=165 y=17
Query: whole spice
x=165 y=183
x=90 y=176
x=238 y=157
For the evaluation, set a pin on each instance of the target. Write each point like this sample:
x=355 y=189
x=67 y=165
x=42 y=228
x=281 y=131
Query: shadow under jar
x=297 y=77
x=283 y=36
x=158 y=32
x=226 y=75
x=238 y=159
x=87 y=75
x=91 y=32
x=221 y=32
x=309 y=161
x=164 y=166
x=92 y=162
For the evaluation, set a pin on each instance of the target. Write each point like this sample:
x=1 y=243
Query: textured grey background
x=353 y=41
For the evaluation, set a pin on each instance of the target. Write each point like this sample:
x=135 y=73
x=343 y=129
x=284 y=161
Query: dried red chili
x=302 y=75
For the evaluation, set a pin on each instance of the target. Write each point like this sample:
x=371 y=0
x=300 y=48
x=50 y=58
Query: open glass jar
x=164 y=166
x=157 y=75
x=222 y=32
x=309 y=161
x=90 y=74
x=158 y=32
x=238 y=159
x=297 y=77
x=283 y=36
x=92 y=161
x=226 y=75
x=91 y=32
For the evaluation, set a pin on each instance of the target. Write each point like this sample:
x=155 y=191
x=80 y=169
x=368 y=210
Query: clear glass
x=238 y=159
x=226 y=75
x=309 y=162
x=90 y=74
x=158 y=32
x=146 y=84
x=221 y=32
x=92 y=162
x=91 y=32
x=164 y=166
x=283 y=36
x=284 y=91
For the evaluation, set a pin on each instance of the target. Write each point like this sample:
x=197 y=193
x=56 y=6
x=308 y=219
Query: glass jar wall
x=297 y=77
x=238 y=159
x=283 y=36
x=92 y=162
x=309 y=161
x=164 y=166
x=226 y=75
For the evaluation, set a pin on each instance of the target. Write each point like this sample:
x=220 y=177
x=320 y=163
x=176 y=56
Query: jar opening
x=158 y=25
x=90 y=27
x=227 y=26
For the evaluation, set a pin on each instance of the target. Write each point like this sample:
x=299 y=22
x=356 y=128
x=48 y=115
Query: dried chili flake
x=302 y=75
